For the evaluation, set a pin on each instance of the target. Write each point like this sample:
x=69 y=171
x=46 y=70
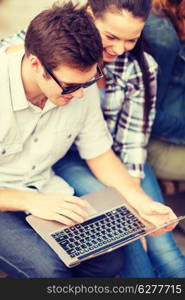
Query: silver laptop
x=112 y=223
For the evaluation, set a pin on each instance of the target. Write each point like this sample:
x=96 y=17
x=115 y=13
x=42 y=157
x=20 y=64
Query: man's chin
x=64 y=100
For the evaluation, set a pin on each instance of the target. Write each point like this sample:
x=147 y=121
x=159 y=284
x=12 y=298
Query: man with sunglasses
x=73 y=87
x=49 y=100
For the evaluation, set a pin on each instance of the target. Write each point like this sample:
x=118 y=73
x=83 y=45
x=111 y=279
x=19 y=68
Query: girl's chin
x=107 y=57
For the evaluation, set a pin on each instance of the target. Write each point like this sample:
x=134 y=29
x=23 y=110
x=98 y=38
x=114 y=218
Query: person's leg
x=104 y=266
x=137 y=263
x=163 y=251
x=166 y=160
x=23 y=253
x=75 y=171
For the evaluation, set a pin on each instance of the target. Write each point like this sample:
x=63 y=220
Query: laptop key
x=98 y=231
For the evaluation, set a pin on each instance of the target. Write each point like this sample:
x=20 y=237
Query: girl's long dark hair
x=139 y=9
x=138 y=54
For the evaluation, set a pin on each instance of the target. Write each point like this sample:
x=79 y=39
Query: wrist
x=137 y=180
x=29 y=200
x=136 y=196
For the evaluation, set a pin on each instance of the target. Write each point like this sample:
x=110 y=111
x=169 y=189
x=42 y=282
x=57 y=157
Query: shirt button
x=33 y=167
x=3 y=152
x=35 y=140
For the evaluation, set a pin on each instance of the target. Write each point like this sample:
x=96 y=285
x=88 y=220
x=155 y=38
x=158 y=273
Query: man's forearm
x=109 y=169
x=63 y=208
x=137 y=180
x=111 y=172
x=14 y=200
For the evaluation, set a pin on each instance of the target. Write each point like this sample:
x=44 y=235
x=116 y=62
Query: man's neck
x=39 y=101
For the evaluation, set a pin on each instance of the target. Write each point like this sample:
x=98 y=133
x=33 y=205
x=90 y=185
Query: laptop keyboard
x=99 y=232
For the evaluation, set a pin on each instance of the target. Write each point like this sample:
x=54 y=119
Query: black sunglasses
x=76 y=86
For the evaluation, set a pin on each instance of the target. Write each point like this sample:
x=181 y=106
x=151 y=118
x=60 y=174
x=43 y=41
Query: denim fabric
x=23 y=254
x=164 y=258
x=169 y=53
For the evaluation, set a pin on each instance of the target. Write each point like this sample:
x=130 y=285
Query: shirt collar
x=19 y=100
x=117 y=67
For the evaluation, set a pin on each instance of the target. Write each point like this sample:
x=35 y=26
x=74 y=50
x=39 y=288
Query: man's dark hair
x=66 y=35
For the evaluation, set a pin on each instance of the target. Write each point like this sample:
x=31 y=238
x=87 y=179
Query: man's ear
x=35 y=63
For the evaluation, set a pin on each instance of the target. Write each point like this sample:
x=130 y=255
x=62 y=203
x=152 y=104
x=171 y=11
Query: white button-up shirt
x=33 y=139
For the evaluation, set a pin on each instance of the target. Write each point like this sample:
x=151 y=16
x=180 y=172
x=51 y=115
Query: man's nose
x=78 y=93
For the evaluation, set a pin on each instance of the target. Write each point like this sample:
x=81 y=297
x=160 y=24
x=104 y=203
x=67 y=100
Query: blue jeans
x=164 y=258
x=23 y=254
x=163 y=250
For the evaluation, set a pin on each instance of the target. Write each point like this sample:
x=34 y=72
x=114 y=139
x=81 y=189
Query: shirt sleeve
x=94 y=138
x=131 y=140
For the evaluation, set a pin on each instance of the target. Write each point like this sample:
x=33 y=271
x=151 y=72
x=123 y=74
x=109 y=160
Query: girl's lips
x=109 y=55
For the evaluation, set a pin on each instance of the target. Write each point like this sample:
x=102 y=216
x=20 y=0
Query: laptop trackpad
x=89 y=209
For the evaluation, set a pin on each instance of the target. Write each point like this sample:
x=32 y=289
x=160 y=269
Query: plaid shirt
x=123 y=106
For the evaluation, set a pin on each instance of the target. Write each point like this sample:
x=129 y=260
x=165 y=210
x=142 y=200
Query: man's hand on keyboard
x=68 y=210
